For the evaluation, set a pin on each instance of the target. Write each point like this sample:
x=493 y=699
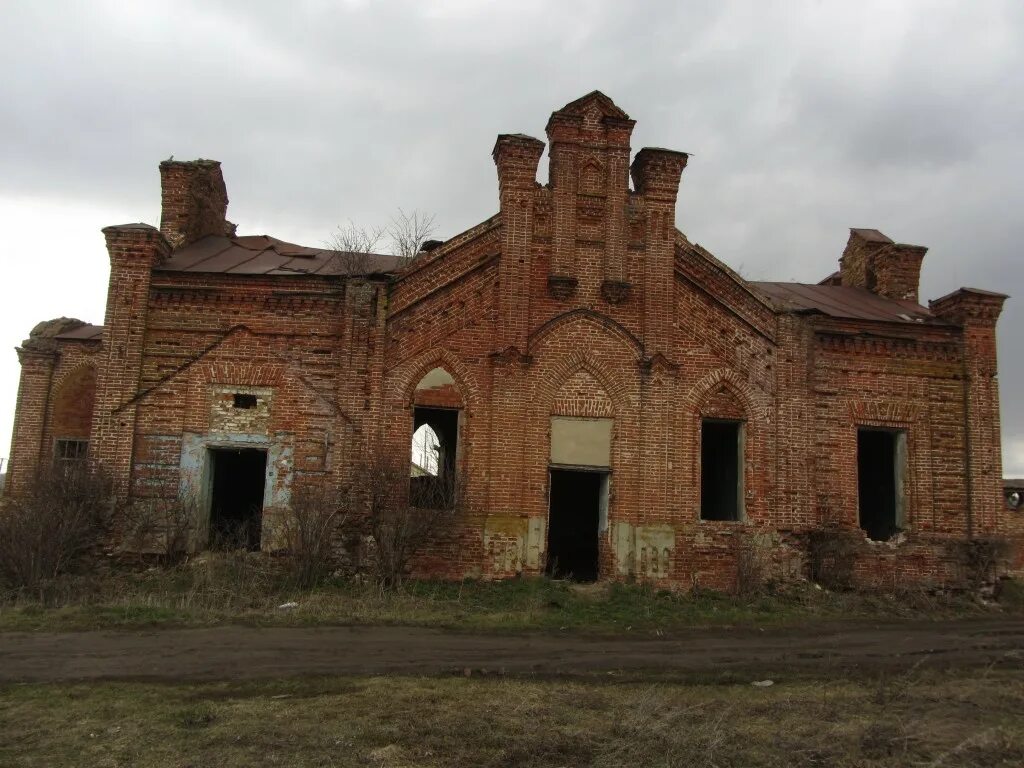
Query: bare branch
x=408 y=232
x=353 y=245
x=403 y=514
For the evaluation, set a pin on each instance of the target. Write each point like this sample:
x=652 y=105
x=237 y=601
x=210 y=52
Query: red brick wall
x=579 y=298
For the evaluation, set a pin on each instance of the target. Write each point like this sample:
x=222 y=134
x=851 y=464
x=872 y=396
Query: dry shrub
x=309 y=529
x=751 y=565
x=982 y=560
x=164 y=526
x=230 y=580
x=401 y=513
x=831 y=552
x=53 y=525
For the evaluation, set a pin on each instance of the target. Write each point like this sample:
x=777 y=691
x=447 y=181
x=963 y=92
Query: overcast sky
x=803 y=119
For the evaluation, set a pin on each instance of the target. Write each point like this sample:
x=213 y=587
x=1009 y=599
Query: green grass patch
x=249 y=589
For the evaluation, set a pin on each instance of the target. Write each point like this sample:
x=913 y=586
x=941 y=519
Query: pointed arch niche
x=71 y=419
x=434 y=451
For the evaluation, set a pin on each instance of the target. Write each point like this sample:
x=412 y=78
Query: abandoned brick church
x=616 y=401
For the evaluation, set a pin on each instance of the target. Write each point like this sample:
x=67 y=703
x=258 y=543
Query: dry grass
x=242 y=587
x=948 y=720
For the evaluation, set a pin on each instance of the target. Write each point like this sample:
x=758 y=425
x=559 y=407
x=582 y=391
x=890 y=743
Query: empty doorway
x=721 y=470
x=574 y=520
x=236 y=498
x=880 y=460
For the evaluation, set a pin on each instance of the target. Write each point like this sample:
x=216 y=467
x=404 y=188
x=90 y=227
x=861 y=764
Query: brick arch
x=411 y=372
x=591 y=176
x=244 y=373
x=554 y=379
x=64 y=377
x=606 y=323
x=73 y=401
x=724 y=378
x=582 y=395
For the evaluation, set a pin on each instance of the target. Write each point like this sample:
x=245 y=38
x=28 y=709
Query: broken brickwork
x=579 y=300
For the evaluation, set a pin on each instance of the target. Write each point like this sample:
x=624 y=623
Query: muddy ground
x=233 y=652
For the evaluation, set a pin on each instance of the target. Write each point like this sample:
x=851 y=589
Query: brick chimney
x=194 y=201
x=873 y=261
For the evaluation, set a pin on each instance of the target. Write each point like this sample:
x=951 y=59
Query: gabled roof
x=844 y=302
x=265 y=255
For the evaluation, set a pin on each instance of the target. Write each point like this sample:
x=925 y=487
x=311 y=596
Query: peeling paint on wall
x=196 y=479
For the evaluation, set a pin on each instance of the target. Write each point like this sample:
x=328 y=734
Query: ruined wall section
x=211 y=337
x=725 y=342
x=442 y=314
x=56 y=398
x=872 y=376
x=72 y=396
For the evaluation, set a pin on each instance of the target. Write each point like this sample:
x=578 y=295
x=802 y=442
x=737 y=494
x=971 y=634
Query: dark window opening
x=573 y=524
x=71 y=450
x=434 y=457
x=236 y=501
x=720 y=464
x=878 y=482
x=244 y=401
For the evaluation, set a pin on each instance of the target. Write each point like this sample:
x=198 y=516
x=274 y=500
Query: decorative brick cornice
x=562 y=287
x=510 y=356
x=698 y=267
x=918 y=349
x=658 y=364
x=28 y=356
x=968 y=305
x=616 y=291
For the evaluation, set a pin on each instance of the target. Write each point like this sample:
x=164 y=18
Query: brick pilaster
x=656 y=175
x=134 y=250
x=516 y=157
x=29 y=418
x=977 y=312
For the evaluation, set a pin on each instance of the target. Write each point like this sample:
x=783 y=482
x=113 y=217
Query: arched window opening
x=435 y=441
x=426 y=452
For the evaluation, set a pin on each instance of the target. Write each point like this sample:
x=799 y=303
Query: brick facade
x=579 y=299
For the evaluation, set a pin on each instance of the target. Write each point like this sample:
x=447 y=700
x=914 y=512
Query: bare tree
x=49 y=528
x=309 y=528
x=403 y=514
x=353 y=247
x=408 y=232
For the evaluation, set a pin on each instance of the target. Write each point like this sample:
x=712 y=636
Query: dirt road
x=231 y=653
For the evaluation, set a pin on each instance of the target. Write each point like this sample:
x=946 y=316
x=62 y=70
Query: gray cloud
x=804 y=119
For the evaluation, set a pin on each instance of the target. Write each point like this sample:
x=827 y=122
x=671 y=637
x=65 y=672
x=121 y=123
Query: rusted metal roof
x=845 y=302
x=265 y=255
x=82 y=333
x=872 y=235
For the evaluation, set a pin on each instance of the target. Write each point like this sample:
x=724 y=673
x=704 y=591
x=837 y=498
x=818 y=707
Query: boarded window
x=721 y=477
x=580 y=442
x=881 y=459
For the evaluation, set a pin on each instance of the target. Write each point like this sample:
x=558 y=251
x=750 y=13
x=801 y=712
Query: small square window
x=71 y=450
x=244 y=401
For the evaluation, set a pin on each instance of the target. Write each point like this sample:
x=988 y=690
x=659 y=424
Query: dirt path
x=231 y=653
